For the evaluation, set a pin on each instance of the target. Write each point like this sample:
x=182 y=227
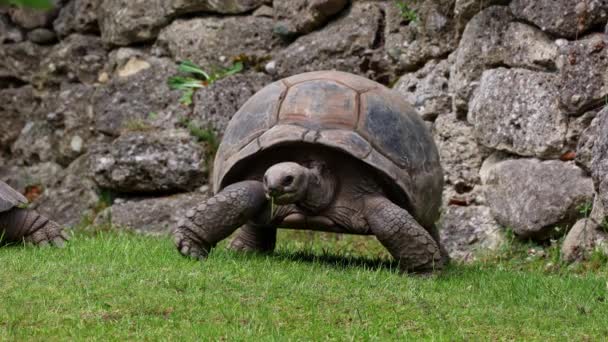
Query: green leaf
x=186 y=98
x=181 y=83
x=191 y=68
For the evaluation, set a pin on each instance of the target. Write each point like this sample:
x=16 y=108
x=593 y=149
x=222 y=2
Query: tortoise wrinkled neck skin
x=310 y=186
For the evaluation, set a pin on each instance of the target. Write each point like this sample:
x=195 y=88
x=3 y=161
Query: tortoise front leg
x=406 y=240
x=218 y=217
x=26 y=225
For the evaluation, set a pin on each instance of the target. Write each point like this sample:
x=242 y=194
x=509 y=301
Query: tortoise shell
x=10 y=198
x=345 y=112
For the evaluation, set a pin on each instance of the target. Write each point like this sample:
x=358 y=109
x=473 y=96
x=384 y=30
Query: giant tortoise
x=17 y=223
x=327 y=151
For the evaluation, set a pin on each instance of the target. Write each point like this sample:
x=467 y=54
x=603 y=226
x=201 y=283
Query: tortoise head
x=309 y=185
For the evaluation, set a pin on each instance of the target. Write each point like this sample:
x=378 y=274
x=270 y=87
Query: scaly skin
x=406 y=240
x=218 y=217
x=26 y=225
x=255 y=238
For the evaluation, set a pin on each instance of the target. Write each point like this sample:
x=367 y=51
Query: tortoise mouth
x=282 y=198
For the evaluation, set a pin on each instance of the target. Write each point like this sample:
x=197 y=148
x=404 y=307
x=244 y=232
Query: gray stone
x=491 y=39
x=298 y=17
x=565 y=18
x=584 y=149
x=136 y=95
x=178 y=7
x=21 y=178
x=30 y=18
x=432 y=35
x=215 y=104
x=427 y=89
x=460 y=155
x=341 y=45
x=584 y=73
x=212 y=41
x=585 y=237
x=464 y=10
x=124 y=22
x=77 y=16
x=517 y=111
x=42 y=36
x=77 y=58
x=17 y=106
x=534 y=197
x=155 y=161
x=74 y=199
x=469 y=231
x=21 y=61
x=35 y=143
x=599 y=163
x=153 y=216
x=9 y=33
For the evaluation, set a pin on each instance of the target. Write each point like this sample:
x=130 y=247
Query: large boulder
x=77 y=58
x=152 y=215
x=599 y=163
x=215 y=104
x=492 y=38
x=517 y=111
x=427 y=89
x=154 y=161
x=534 y=198
x=584 y=73
x=344 y=44
x=136 y=94
x=432 y=35
x=461 y=156
x=20 y=61
x=298 y=17
x=467 y=231
x=77 y=16
x=214 y=41
x=565 y=18
x=75 y=197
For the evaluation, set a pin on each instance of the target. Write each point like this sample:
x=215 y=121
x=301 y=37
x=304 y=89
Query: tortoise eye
x=287 y=180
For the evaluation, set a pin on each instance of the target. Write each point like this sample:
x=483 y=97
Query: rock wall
x=512 y=91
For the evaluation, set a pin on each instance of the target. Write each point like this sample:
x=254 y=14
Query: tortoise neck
x=321 y=188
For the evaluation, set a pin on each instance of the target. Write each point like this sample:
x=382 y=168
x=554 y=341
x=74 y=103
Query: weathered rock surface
x=42 y=36
x=427 y=89
x=77 y=58
x=303 y=16
x=584 y=149
x=464 y=10
x=468 y=231
x=460 y=155
x=20 y=61
x=74 y=198
x=213 y=6
x=153 y=216
x=137 y=97
x=136 y=21
x=215 y=104
x=565 y=18
x=532 y=197
x=29 y=18
x=432 y=35
x=143 y=162
x=17 y=106
x=584 y=238
x=77 y=16
x=345 y=44
x=212 y=41
x=43 y=175
x=584 y=73
x=507 y=116
x=9 y=33
x=599 y=163
x=491 y=39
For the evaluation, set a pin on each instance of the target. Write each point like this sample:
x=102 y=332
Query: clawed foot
x=189 y=244
x=51 y=234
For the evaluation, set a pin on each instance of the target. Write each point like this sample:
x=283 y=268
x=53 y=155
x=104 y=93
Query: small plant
x=37 y=4
x=585 y=209
x=195 y=77
x=407 y=12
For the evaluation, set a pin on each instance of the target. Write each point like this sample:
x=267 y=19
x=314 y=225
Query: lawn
x=117 y=286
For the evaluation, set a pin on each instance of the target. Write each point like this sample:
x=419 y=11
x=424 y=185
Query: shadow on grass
x=337 y=261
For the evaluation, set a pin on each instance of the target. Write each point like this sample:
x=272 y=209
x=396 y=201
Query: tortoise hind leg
x=26 y=225
x=406 y=240
x=218 y=217
x=255 y=238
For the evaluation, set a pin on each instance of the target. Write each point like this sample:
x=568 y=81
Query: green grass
x=117 y=286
